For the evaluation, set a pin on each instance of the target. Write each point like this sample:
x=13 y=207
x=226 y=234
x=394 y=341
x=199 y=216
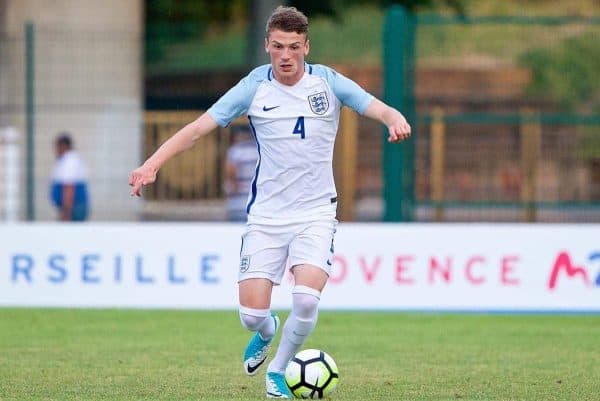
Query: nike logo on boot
x=251 y=368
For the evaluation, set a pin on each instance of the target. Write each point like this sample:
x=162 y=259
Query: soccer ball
x=311 y=373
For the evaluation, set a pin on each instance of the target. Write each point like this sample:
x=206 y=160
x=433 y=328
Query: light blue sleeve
x=346 y=90
x=236 y=100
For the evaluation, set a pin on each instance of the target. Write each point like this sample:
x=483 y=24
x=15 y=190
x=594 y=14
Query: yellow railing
x=530 y=139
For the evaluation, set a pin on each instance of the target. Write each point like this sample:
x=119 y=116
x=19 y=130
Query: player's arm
x=231 y=105
x=183 y=139
x=398 y=127
x=352 y=95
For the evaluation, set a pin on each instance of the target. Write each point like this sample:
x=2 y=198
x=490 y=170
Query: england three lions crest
x=319 y=103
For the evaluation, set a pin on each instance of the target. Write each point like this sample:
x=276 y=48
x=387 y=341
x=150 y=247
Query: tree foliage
x=332 y=8
x=172 y=21
x=189 y=10
x=222 y=10
x=567 y=72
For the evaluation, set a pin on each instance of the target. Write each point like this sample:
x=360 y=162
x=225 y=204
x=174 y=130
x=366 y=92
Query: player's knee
x=253 y=319
x=305 y=301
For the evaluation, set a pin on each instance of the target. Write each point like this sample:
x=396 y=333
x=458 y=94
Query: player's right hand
x=143 y=175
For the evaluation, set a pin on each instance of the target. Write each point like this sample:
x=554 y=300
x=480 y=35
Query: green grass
x=58 y=354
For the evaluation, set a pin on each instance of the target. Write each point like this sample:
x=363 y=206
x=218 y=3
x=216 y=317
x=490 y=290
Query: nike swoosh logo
x=251 y=368
x=265 y=108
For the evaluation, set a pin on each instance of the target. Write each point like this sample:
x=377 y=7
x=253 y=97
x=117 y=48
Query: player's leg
x=261 y=259
x=255 y=315
x=309 y=282
x=310 y=255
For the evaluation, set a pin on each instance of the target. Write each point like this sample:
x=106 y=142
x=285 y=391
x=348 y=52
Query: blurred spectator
x=240 y=167
x=69 y=188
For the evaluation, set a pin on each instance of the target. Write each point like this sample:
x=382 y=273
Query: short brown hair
x=287 y=19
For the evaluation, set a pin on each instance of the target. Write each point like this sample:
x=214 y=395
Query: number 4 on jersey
x=299 y=128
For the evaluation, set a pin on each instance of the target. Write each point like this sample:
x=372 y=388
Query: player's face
x=287 y=51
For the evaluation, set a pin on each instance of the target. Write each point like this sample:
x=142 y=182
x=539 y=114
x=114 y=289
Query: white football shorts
x=268 y=249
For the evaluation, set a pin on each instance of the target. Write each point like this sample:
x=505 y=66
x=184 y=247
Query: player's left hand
x=143 y=175
x=399 y=130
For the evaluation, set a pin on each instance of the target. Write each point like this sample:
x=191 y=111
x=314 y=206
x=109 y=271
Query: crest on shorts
x=244 y=263
x=319 y=103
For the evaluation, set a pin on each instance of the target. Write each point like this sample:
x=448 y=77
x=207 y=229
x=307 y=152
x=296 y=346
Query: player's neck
x=289 y=80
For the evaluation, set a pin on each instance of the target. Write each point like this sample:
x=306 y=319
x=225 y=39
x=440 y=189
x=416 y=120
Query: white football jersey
x=295 y=128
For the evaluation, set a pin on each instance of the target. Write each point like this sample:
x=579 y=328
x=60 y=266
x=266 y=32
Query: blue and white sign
x=470 y=267
x=120 y=265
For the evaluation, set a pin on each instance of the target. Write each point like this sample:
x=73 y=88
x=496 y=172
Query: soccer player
x=293 y=110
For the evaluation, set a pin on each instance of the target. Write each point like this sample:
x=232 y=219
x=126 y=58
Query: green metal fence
x=506 y=113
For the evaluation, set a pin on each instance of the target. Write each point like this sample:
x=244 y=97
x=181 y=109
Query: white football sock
x=258 y=320
x=298 y=326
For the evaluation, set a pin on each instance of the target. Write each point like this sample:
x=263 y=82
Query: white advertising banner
x=440 y=267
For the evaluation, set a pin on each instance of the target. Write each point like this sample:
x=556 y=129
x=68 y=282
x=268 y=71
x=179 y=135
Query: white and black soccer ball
x=312 y=373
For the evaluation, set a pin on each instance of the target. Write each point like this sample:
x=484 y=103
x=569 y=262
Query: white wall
x=88 y=81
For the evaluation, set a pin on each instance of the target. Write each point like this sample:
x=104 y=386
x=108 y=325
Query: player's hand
x=399 y=130
x=143 y=175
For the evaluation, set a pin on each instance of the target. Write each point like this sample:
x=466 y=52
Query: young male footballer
x=293 y=110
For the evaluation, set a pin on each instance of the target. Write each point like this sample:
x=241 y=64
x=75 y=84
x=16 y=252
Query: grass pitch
x=63 y=354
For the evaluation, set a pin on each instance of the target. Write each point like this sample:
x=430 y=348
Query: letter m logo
x=563 y=265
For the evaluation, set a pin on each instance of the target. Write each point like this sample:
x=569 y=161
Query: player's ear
x=266 y=45
x=306 y=47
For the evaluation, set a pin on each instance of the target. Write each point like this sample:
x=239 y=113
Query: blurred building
x=87 y=79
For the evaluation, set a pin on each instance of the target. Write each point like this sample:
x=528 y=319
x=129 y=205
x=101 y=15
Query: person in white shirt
x=69 y=186
x=293 y=110
x=240 y=165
